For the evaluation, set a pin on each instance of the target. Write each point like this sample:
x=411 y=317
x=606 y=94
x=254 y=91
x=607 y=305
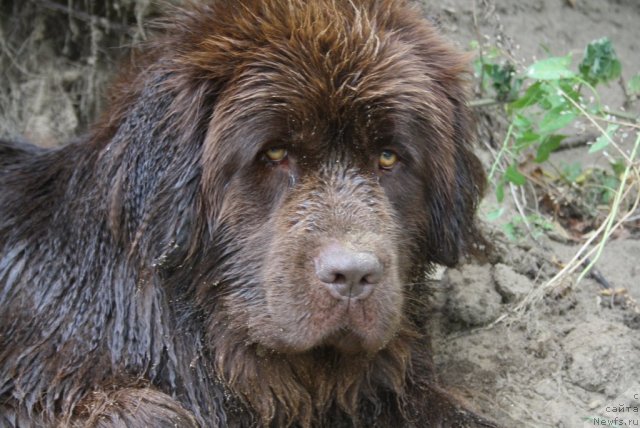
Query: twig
x=503 y=149
x=623 y=115
x=605 y=229
x=485 y=102
x=627 y=97
x=614 y=208
x=480 y=54
x=490 y=102
x=6 y=50
x=521 y=211
x=596 y=274
x=597 y=125
x=83 y=16
x=576 y=141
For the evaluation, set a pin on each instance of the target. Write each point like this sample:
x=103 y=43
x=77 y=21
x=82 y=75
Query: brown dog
x=240 y=241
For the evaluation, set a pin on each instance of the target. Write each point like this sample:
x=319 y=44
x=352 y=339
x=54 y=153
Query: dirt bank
x=574 y=357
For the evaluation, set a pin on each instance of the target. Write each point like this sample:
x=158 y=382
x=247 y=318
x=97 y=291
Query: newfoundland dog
x=241 y=239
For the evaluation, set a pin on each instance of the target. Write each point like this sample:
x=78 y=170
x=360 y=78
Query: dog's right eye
x=387 y=159
x=276 y=154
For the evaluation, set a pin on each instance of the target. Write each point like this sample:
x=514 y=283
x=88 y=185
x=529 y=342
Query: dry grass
x=60 y=53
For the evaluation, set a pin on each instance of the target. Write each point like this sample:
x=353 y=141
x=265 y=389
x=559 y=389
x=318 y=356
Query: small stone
x=511 y=285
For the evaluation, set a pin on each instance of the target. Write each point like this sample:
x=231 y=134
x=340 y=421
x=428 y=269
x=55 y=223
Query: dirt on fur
x=570 y=360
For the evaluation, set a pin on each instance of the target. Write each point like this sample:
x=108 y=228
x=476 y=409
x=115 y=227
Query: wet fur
x=151 y=273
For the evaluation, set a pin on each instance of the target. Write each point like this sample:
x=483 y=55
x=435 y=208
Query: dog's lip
x=349 y=341
x=340 y=331
x=345 y=340
x=348 y=327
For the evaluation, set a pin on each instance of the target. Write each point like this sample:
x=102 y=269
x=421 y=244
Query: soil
x=568 y=360
x=573 y=359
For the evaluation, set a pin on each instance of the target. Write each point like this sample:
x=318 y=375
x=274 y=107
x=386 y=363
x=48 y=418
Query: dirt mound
x=563 y=361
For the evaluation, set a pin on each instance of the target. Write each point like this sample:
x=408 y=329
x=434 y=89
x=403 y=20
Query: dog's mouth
x=349 y=329
x=356 y=330
x=346 y=341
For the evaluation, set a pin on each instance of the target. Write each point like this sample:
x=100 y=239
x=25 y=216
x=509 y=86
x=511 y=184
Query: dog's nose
x=348 y=274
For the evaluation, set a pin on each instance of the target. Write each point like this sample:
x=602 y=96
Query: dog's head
x=336 y=163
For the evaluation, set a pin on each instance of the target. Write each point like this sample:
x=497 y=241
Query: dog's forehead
x=321 y=86
x=310 y=71
x=333 y=56
x=306 y=108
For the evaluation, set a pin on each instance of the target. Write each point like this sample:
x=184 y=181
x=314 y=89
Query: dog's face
x=336 y=165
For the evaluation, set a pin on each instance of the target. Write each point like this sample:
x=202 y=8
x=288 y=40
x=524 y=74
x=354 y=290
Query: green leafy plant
x=553 y=100
x=545 y=104
x=600 y=62
x=503 y=80
x=516 y=228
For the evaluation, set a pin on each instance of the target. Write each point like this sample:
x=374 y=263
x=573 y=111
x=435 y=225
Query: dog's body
x=235 y=243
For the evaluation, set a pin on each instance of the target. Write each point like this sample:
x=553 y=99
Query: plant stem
x=503 y=149
x=485 y=102
x=614 y=210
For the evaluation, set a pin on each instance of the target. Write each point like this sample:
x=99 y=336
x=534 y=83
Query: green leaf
x=510 y=231
x=570 y=89
x=634 y=85
x=500 y=191
x=609 y=186
x=504 y=82
x=549 y=144
x=528 y=137
x=618 y=167
x=552 y=97
x=556 y=118
x=601 y=143
x=514 y=176
x=600 y=62
x=521 y=122
x=572 y=171
x=554 y=68
x=603 y=140
x=531 y=96
x=495 y=214
x=525 y=139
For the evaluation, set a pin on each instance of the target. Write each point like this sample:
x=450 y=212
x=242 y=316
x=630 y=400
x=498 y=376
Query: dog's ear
x=451 y=223
x=456 y=179
x=453 y=177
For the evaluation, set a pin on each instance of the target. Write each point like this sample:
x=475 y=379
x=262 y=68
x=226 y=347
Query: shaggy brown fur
x=166 y=271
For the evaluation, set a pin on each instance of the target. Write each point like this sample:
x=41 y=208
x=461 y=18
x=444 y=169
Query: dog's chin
x=350 y=343
x=343 y=340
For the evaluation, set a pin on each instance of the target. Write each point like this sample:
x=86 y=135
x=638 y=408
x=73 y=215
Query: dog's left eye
x=276 y=154
x=387 y=159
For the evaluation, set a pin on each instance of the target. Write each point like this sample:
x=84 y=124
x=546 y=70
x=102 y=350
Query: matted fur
x=159 y=271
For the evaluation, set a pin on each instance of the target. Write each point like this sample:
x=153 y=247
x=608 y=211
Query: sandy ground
x=571 y=358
